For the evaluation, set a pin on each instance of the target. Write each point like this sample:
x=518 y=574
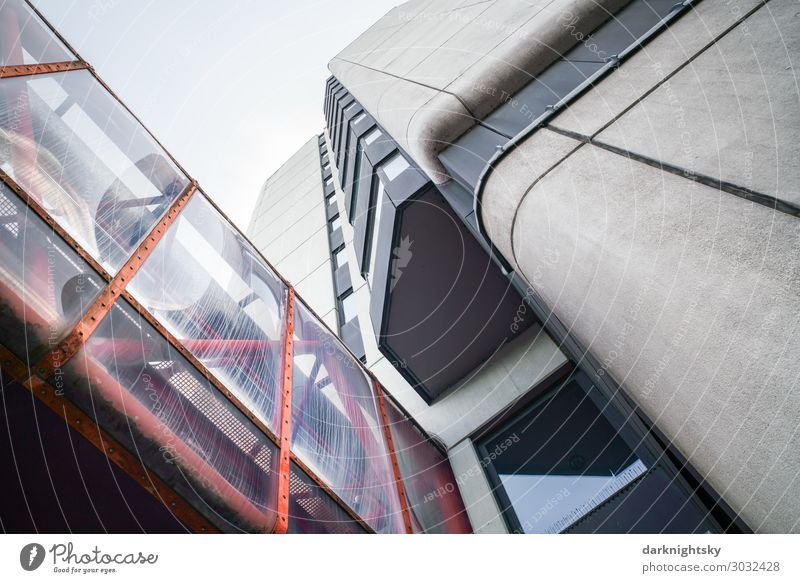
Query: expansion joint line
x=398 y=478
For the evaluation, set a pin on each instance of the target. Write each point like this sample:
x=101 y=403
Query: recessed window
x=340 y=257
x=373 y=227
x=347 y=307
x=335 y=223
x=356 y=181
x=372 y=136
x=326 y=166
x=359 y=117
x=329 y=180
x=395 y=166
x=331 y=200
x=349 y=107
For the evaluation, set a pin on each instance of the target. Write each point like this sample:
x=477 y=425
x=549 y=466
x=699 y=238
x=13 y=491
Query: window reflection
x=80 y=154
x=560 y=460
x=208 y=287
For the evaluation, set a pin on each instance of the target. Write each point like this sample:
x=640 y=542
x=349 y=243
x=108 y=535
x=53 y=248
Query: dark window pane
x=336 y=428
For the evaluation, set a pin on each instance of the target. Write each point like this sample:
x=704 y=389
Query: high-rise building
x=158 y=374
x=564 y=236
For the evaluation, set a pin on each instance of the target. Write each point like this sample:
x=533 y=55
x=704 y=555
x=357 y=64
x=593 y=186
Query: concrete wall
x=289 y=227
x=687 y=294
x=429 y=70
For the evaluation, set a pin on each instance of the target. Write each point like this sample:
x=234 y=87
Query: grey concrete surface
x=689 y=297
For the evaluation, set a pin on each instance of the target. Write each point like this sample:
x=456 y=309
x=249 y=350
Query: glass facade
x=182 y=359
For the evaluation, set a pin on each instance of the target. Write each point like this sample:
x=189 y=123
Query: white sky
x=231 y=87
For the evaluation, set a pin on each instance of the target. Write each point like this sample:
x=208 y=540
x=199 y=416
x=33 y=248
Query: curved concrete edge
x=511 y=179
x=688 y=297
x=426 y=120
x=528 y=51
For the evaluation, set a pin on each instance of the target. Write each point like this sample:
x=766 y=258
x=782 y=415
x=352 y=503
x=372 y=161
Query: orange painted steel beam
x=398 y=478
x=78 y=336
x=282 y=523
x=41 y=68
x=106 y=444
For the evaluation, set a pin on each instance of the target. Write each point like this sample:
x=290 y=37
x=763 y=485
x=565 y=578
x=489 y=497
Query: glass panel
x=560 y=460
x=358 y=118
x=312 y=511
x=73 y=148
x=25 y=39
x=335 y=223
x=431 y=488
x=155 y=403
x=340 y=257
x=208 y=287
x=336 y=427
x=44 y=285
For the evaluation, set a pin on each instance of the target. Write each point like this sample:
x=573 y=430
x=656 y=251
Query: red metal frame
x=282 y=523
x=398 y=478
x=40 y=68
x=105 y=300
x=106 y=444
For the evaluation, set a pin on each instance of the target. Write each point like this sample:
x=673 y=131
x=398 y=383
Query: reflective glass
x=336 y=428
x=313 y=511
x=431 y=488
x=560 y=460
x=139 y=389
x=77 y=151
x=208 y=287
x=25 y=39
x=44 y=285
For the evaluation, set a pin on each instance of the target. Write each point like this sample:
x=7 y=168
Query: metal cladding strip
x=282 y=523
x=41 y=68
x=398 y=478
x=107 y=445
x=34 y=205
x=102 y=305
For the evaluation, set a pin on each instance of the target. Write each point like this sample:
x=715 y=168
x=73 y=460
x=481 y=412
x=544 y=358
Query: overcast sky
x=231 y=87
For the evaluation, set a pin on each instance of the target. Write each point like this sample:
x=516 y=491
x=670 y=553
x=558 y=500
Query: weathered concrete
x=446 y=64
x=689 y=297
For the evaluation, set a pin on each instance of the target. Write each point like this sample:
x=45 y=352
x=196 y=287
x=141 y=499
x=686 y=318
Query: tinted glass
x=560 y=460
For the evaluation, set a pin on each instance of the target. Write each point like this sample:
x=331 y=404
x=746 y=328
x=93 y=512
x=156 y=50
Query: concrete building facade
x=628 y=169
